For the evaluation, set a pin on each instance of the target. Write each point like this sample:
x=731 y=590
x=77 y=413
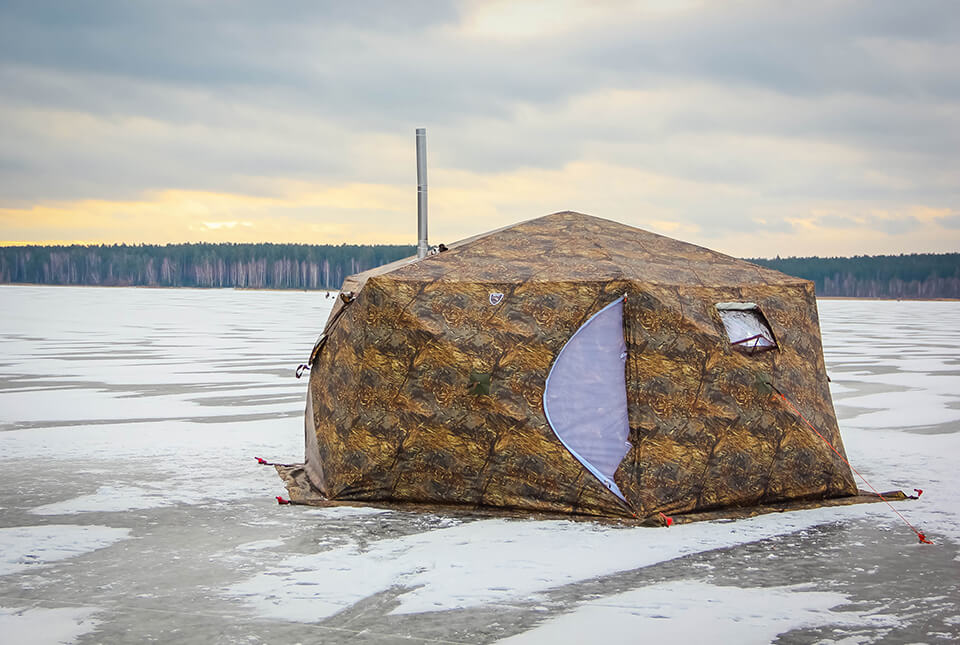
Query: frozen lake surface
x=132 y=509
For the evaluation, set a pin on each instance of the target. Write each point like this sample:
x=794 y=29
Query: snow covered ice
x=132 y=509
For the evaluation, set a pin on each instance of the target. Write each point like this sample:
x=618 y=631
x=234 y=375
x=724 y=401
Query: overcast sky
x=757 y=129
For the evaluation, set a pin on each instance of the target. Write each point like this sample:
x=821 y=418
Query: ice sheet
x=344 y=512
x=893 y=364
x=147 y=354
x=208 y=377
x=494 y=561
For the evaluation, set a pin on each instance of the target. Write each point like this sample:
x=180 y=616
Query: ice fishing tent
x=572 y=364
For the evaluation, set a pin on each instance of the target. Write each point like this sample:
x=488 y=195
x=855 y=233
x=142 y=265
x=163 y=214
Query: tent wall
x=393 y=416
x=707 y=431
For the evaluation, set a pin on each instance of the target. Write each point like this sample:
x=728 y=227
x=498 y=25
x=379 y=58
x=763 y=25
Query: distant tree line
x=311 y=266
x=921 y=275
x=258 y=266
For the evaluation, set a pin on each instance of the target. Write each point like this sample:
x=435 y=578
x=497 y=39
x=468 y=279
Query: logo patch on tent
x=495 y=298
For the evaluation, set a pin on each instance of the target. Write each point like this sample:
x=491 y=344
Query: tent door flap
x=585 y=396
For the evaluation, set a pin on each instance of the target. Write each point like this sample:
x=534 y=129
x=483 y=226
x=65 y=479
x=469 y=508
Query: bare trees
x=273 y=266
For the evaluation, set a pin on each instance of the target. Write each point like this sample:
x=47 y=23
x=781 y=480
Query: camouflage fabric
x=395 y=412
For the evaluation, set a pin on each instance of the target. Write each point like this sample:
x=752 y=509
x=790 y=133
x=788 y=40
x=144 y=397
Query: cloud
x=466 y=203
x=888 y=223
x=214 y=226
x=713 y=120
x=951 y=222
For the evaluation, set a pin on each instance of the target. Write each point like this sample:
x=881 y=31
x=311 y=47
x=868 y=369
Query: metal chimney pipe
x=422 y=193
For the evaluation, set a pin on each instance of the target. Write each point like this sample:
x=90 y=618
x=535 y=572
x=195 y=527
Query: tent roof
x=570 y=246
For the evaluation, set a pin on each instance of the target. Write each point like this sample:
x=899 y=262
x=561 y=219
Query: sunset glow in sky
x=757 y=129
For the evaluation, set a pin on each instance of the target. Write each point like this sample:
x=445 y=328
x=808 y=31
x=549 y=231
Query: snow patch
x=24 y=547
x=688 y=611
x=41 y=626
x=107 y=499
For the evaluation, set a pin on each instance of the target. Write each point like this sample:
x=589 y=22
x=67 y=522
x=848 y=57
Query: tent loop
x=347 y=298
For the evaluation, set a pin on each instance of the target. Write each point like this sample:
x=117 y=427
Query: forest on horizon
x=316 y=266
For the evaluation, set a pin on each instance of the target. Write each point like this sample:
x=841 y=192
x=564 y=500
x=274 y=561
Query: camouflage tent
x=572 y=364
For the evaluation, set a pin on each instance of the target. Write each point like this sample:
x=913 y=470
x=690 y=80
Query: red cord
x=923 y=538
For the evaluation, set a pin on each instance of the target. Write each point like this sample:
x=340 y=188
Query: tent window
x=746 y=327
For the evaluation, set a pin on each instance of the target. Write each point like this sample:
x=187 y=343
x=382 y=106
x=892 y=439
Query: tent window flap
x=746 y=327
x=585 y=397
